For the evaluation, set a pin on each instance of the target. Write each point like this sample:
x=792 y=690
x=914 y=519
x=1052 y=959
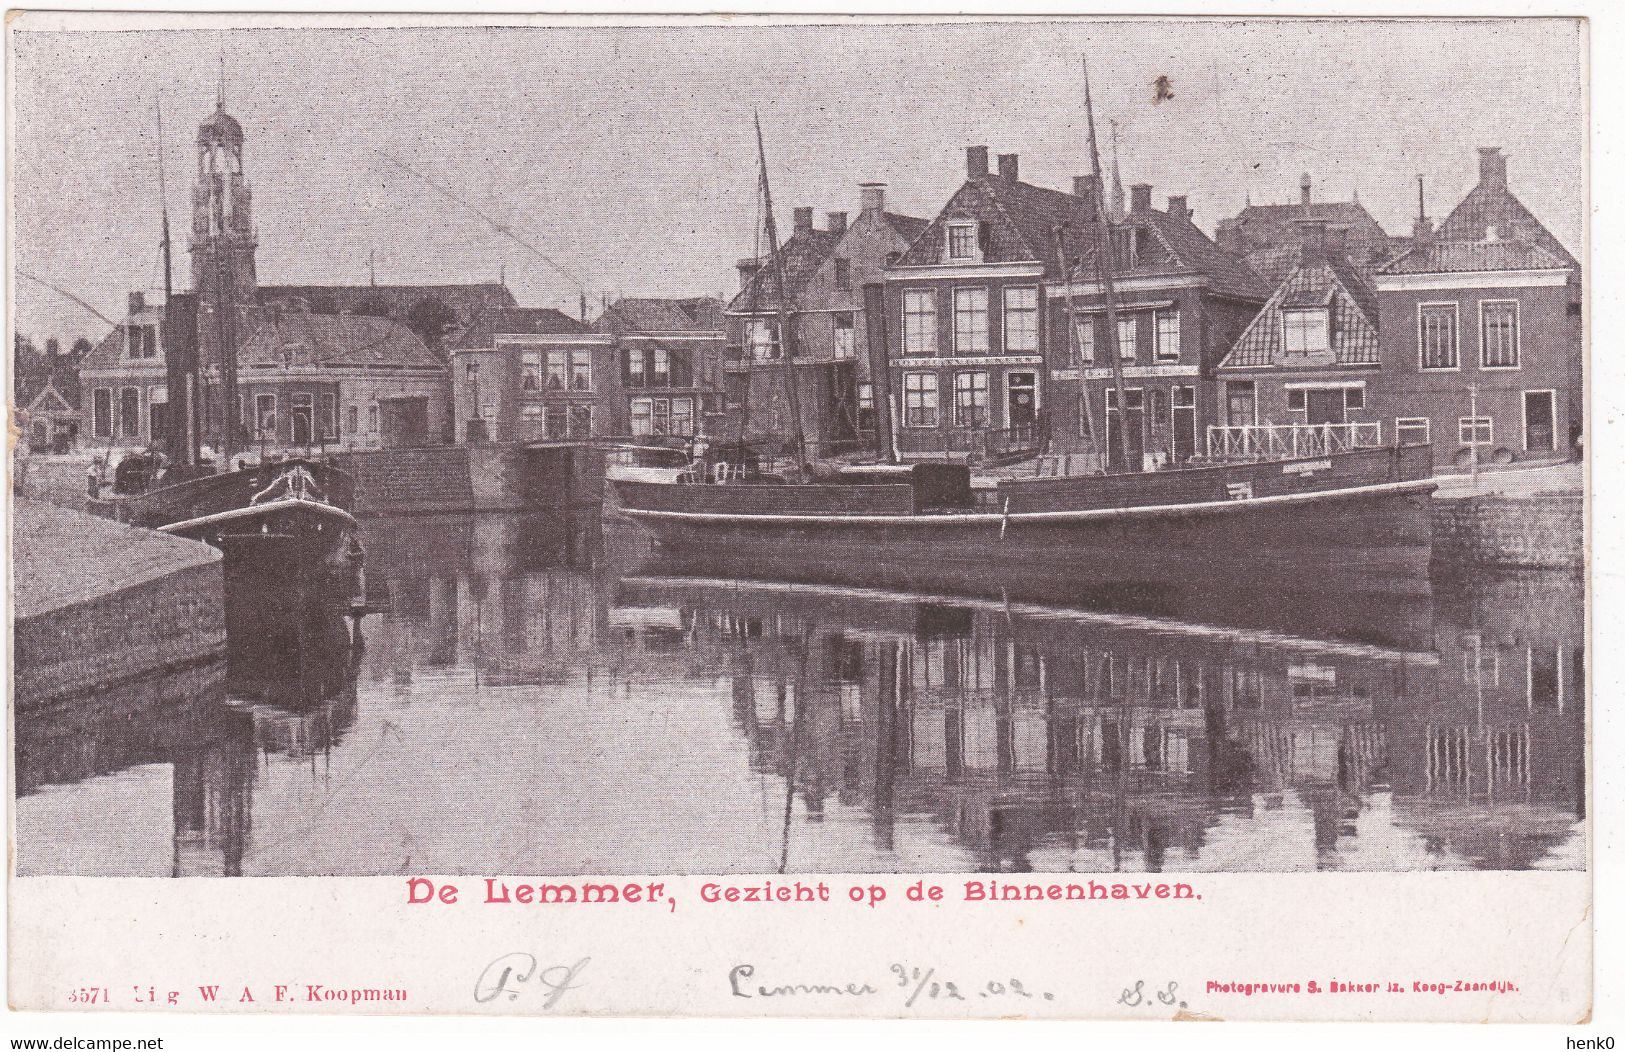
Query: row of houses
x=937 y=337
x=980 y=329
x=342 y=367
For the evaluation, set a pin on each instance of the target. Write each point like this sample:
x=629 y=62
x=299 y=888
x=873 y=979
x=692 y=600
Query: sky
x=626 y=155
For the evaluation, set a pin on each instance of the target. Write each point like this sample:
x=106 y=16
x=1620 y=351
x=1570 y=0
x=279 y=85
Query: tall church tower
x=222 y=213
x=223 y=276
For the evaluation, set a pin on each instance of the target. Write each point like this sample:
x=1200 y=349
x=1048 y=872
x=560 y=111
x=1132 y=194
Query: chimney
x=1009 y=167
x=873 y=196
x=1139 y=199
x=975 y=162
x=1492 y=168
x=1178 y=207
x=1312 y=239
x=747 y=271
x=803 y=219
x=1303 y=190
x=836 y=222
x=138 y=302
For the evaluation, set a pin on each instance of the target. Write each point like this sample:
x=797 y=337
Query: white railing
x=1269 y=441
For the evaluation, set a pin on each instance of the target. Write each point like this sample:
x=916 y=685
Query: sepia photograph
x=1038 y=453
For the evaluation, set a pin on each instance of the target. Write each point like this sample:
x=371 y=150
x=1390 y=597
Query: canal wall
x=96 y=603
x=1538 y=532
x=461 y=479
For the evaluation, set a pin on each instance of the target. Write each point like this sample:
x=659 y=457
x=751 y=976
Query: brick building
x=1481 y=340
x=671 y=365
x=965 y=330
x=1182 y=302
x=1309 y=355
x=826 y=271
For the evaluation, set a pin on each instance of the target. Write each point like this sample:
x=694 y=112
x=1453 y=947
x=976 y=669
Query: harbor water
x=541 y=701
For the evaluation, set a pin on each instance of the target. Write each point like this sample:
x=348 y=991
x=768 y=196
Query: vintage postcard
x=826 y=516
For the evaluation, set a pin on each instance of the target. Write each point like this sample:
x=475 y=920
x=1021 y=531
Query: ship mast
x=189 y=455
x=798 y=441
x=1105 y=262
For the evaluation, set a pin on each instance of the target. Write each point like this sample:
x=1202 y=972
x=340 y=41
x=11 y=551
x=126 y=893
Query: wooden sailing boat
x=1346 y=519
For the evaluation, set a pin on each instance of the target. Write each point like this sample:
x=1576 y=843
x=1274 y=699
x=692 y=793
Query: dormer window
x=962 y=241
x=1305 y=332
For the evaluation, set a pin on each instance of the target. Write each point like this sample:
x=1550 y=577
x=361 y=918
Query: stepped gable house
x=1267 y=236
x=326 y=365
x=1182 y=302
x=670 y=365
x=964 y=328
x=826 y=271
x=1311 y=353
x=1481 y=340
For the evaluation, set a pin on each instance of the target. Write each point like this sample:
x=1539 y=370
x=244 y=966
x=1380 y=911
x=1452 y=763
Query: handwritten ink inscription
x=518 y=973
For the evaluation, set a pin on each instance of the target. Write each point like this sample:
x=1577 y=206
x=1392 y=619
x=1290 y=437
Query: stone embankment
x=95 y=603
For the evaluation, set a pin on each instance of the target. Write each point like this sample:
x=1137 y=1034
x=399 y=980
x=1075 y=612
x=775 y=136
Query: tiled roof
x=802 y=254
x=388 y=300
x=38 y=376
x=1191 y=251
x=1273 y=226
x=486 y=325
x=695 y=314
x=1486 y=206
x=908 y=227
x=1452 y=257
x=1021 y=222
x=1275 y=263
x=1335 y=285
x=334 y=341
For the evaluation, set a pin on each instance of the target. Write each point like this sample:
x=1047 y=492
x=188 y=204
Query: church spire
x=220 y=89
x=1119 y=209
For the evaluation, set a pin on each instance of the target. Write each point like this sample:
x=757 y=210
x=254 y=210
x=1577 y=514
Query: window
x=970 y=399
x=919 y=399
x=970 y=321
x=530 y=370
x=845 y=335
x=558 y=421
x=352 y=420
x=580 y=421
x=1475 y=431
x=843 y=274
x=1086 y=340
x=919 y=321
x=1128 y=337
x=129 y=412
x=1353 y=398
x=1304 y=332
x=327 y=417
x=372 y=419
x=141 y=341
x=265 y=415
x=1241 y=403
x=660 y=368
x=632 y=367
x=661 y=415
x=1021 y=321
x=581 y=370
x=558 y=367
x=681 y=372
x=1437 y=325
x=961 y=241
x=1498 y=327
x=101 y=422
x=762 y=339
x=1297 y=400
x=642 y=416
x=866 y=397
x=1168 y=335
x=1413 y=430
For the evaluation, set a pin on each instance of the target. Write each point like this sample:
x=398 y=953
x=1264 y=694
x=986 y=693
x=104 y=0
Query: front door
x=1539 y=422
x=301 y=426
x=1023 y=396
x=1184 y=423
x=1325 y=405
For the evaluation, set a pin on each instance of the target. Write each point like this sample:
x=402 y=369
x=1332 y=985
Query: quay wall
x=1543 y=532
x=483 y=478
x=96 y=603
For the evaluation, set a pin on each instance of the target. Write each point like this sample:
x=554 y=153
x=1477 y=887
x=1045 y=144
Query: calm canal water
x=537 y=704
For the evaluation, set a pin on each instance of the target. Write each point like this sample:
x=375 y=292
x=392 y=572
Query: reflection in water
x=530 y=706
